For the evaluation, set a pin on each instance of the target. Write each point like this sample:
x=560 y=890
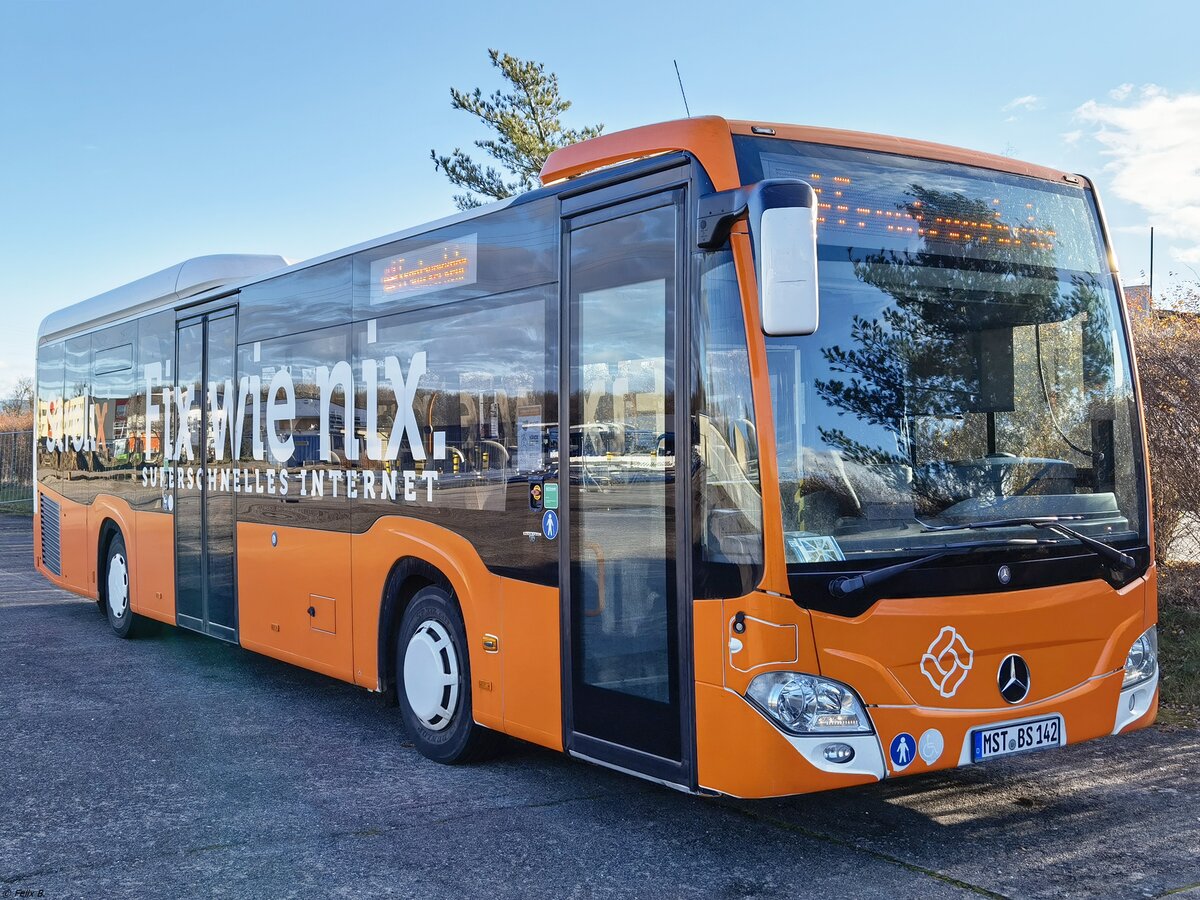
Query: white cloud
x=1029 y=101
x=1186 y=254
x=1072 y=137
x=1121 y=91
x=1151 y=140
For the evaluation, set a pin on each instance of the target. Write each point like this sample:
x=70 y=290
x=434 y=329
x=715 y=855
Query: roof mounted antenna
x=681 y=90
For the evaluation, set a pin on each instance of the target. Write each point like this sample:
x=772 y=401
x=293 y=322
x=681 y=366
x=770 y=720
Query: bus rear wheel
x=114 y=593
x=433 y=681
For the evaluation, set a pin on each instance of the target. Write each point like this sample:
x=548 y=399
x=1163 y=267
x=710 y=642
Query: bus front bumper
x=913 y=739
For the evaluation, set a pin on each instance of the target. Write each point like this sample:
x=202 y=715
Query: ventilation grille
x=51 y=542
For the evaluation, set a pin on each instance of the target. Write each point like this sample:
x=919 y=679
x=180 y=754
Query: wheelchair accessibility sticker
x=931 y=746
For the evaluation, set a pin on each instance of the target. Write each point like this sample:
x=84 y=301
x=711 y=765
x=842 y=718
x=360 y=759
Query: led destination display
x=425 y=269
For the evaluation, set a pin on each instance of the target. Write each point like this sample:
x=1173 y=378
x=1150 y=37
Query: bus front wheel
x=433 y=680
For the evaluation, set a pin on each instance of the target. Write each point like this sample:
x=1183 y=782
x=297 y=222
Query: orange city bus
x=910 y=531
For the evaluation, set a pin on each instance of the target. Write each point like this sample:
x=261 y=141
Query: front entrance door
x=625 y=588
x=205 y=596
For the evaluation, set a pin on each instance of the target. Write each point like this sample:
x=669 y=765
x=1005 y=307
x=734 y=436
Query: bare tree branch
x=1168 y=343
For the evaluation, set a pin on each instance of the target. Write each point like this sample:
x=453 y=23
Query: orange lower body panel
x=741 y=754
x=282 y=574
x=515 y=689
x=1074 y=638
x=149 y=546
x=153 y=588
x=78 y=564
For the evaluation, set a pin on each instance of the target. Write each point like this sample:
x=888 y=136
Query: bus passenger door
x=206 y=353
x=626 y=658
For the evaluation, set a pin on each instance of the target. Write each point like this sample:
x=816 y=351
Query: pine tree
x=527 y=127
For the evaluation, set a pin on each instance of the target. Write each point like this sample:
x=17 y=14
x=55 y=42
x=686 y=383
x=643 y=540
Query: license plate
x=1016 y=737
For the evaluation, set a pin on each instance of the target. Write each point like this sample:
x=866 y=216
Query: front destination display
x=910 y=529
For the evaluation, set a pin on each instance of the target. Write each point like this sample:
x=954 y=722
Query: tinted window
x=112 y=359
x=50 y=413
x=503 y=251
x=78 y=459
x=728 y=507
x=304 y=300
x=484 y=414
x=154 y=367
x=114 y=389
x=315 y=495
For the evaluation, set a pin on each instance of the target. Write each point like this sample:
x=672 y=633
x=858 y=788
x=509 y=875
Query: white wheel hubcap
x=431 y=675
x=118 y=585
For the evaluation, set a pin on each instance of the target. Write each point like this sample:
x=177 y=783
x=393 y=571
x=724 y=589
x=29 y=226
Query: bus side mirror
x=783 y=230
x=787 y=270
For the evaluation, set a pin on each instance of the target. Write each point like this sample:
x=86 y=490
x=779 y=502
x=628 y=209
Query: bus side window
x=114 y=391
x=77 y=458
x=728 y=504
x=49 y=413
x=481 y=408
x=156 y=349
x=316 y=493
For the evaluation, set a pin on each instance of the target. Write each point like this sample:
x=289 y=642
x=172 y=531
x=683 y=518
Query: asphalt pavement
x=177 y=766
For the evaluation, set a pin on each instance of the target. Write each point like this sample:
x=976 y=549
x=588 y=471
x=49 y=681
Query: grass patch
x=21 y=508
x=1179 y=644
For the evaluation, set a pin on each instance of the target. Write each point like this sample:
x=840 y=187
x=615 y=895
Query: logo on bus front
x=947 y=661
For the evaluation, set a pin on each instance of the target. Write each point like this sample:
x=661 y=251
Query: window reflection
x=50 y=413
x=622 y=456
x=310 y=499
x=115 y=394
x=973 y=366
x=481 y=408
x=725 y=455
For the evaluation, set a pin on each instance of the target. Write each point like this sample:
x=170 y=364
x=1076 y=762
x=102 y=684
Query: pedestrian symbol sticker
x=550 y=524
x=902 y=750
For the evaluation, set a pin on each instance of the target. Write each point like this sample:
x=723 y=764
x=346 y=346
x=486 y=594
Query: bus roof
x=185 y=279
x=194 y=277
x=709 y=139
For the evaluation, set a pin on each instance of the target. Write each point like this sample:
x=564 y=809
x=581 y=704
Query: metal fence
x=16 y=472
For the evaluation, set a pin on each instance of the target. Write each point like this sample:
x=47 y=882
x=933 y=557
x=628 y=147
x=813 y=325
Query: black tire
x=432 y=631
x=115 y=592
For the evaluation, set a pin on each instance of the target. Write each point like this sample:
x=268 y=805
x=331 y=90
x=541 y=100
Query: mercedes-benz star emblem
x=1004 y=575
x=1013 y=679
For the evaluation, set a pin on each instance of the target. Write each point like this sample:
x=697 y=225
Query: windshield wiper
x=849 y=584
x=1050 y=523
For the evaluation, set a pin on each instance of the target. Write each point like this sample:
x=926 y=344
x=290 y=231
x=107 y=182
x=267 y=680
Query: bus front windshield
x=970 y=365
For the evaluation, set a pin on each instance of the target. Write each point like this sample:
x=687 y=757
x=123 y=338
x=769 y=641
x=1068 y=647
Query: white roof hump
x=182 y=280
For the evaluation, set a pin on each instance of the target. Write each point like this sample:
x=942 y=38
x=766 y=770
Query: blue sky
x=136 y=135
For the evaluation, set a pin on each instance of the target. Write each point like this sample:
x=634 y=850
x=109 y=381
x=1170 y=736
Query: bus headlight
x=1142 y=661
x=807 y=704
